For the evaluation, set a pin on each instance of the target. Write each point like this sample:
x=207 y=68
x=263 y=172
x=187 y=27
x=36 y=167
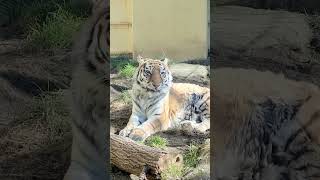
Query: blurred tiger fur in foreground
x=265 y=127
x=89 y=87
x=159 y=104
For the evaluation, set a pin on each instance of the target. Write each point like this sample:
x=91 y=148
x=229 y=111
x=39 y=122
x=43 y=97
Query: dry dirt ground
x=35 y=146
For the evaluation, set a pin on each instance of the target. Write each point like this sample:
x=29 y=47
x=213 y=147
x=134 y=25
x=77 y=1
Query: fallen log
x=139 y=159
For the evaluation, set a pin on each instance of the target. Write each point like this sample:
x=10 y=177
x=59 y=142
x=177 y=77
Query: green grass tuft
x=54 y=33
x=172 y=172
x=29 y=12
x=191 y=156
x=127 y=71
x=157 y=142
x=119 y=62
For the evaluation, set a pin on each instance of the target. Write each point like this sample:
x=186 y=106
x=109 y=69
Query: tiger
x=89 y=95
x=158 y=104
x=265 y=126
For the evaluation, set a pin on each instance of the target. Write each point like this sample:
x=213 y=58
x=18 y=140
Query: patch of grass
x=39 y=139
x=28 y=12
x=119 y=62
x=56 y=32
x=173 y=172
x=127 y=71
x=50 y=110
x=157 y=142
x=191 y=156
x=125 y=97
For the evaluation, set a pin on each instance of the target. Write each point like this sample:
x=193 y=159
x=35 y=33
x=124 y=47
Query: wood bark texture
x=136 y=158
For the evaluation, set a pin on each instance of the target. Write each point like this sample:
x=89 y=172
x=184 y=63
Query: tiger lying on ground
x=265 y=127
x=159 y=104
x=89 y=88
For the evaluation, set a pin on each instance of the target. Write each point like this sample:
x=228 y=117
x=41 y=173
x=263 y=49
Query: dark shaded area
x=308 y=71
x=309 y=6
x=204 y=62
x=30 y=85
x=38 y=164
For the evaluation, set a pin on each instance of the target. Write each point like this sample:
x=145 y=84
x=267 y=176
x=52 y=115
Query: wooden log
x=139 y=159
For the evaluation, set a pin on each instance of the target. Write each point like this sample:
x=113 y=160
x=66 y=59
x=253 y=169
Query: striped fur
x=89 y=88
x=159 y=104
x=266 y=127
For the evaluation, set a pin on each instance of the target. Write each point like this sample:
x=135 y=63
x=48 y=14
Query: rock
x=190 y=73
x=120 y=83
x=114 y=94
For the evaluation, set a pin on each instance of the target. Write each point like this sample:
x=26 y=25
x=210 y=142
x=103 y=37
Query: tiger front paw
x=138 y=134
x=125 y=132
x=193 y=129
x=187 y=126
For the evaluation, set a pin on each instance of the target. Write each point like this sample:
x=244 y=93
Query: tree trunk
x=139 y=159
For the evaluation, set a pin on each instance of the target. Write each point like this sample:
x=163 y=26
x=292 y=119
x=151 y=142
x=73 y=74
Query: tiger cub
x=89 y=92
x=160 y=104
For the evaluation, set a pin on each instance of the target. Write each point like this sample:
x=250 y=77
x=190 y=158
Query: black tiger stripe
x=97 y=56
x=90 y=67
x=92 y=31
x=153 y=110
x=204 y=102
x=300 y=153
x=155 y=102
x=201 y=107
x=97 y=51
x=301 y=130
x=104 y=56
x=148 y=89
x=136 y=103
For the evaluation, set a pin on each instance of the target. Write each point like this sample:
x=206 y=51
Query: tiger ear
x=165 y=60
x=140 y=59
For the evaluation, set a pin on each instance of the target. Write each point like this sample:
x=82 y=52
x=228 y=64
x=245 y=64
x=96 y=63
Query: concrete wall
x=177 y=28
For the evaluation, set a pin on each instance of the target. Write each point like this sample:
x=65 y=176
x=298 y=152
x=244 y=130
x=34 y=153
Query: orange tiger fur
x=159 y=104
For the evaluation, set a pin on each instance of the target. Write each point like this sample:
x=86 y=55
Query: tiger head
x=153 y=74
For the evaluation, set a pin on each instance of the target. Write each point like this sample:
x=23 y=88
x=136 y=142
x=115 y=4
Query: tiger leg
x=148 y=128
x=134 y=121
x=89 y=149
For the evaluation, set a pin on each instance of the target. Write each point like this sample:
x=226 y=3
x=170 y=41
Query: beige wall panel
x=177 y=27
x=121 y=26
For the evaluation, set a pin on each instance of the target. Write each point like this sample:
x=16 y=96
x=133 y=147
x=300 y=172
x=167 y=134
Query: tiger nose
x=156 y=85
